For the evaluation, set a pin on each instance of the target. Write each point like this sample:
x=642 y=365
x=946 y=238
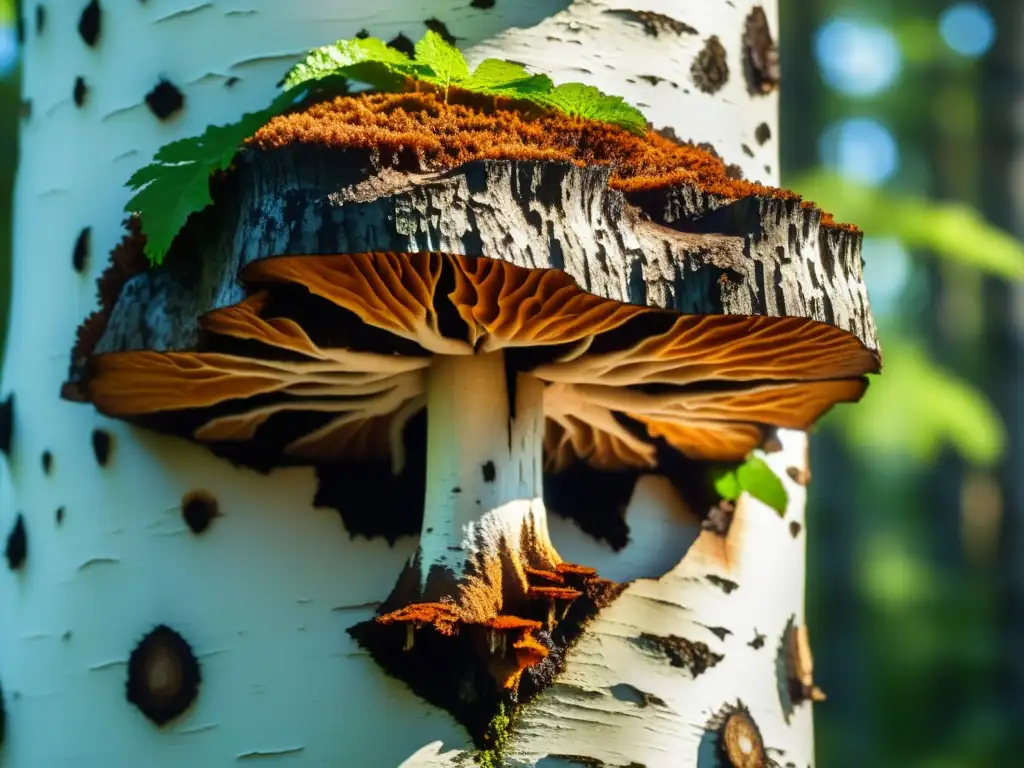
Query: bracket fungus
x=550 y=292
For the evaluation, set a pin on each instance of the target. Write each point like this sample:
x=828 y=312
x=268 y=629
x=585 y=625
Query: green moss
x=497 y=739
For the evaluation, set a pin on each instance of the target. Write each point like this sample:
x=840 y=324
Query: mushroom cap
x=324 y=362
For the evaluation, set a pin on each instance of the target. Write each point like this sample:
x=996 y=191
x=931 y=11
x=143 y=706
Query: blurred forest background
x=906 y=118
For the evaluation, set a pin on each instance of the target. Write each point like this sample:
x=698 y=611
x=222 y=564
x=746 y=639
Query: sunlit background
x=906 y=118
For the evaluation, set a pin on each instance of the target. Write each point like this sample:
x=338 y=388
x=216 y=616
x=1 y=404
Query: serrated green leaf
x=369 y=61
x=448 y=66
x=579 y=100
x=503 y=78
x=755 y=477
x=177 y=183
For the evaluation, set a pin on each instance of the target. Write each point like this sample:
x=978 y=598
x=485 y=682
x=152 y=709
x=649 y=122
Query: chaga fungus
x=165 y=99
x=163 y=675
x=89 y=23
x=198 y=508
x=16 y=549
x=465 y=377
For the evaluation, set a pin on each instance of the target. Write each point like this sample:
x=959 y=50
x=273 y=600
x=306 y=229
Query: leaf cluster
x=755 y=477
x=176 y=183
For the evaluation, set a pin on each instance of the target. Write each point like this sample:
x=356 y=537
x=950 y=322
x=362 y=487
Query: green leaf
x=916 y=408
x=951 y=231
x=579 y=100
x=445 y=61
x=177 y=183
x=369 y=61
x=755 y=477
x=503 y=78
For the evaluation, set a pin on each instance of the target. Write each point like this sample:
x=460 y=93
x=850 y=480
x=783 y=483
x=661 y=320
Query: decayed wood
x=677 y=248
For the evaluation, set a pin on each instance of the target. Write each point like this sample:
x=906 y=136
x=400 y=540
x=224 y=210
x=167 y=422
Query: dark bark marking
x=59 y=515
x=798 y=475
x=710 y=70
x=402 y=43
x=489 y=471
x=794 y=529
x=633 y=695
x=719 y=519
x=6 y=424
x=80 y=255
x=694 y=656
x=758 y=642
x=89 y=23
x=438 y=26
x=16 y=549
x=772 y=444
x=747 y=150
x=725 y=585
x=40 y=19
x=80 y=92
x=760 y=54
x=165 y=99
x=482 y=4
x=47 y=462
x=198 y=508
x=163 y=675
x=762 y=133
x=720 y=632
x=654 y=23
x=101 y=442
x=25 y=109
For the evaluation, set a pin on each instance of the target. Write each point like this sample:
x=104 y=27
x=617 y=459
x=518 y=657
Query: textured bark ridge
x=677 y=248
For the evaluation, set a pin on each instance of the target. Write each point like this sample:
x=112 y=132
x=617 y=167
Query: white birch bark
x=265 y=594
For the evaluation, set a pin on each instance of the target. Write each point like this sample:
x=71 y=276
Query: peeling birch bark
x=264 y=595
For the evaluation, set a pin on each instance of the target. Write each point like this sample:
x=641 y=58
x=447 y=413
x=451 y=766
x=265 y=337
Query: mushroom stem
x=484 y=514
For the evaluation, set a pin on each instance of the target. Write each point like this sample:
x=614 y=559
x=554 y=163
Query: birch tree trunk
x=263 y=596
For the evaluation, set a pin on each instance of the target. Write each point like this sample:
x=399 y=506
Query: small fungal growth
x=89 y=23
x=760 y=54
x=80 y=92
x=163 y=675
x=710 y=70
x=80 y=255
x=17 y=544
x=101 y=441
x=165 y=100
x=198 y=508
x=6 y=424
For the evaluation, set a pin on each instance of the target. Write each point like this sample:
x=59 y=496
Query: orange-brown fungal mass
x=421 y=132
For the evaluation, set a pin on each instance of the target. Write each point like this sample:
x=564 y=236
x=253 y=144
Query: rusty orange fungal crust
x=420 y=132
